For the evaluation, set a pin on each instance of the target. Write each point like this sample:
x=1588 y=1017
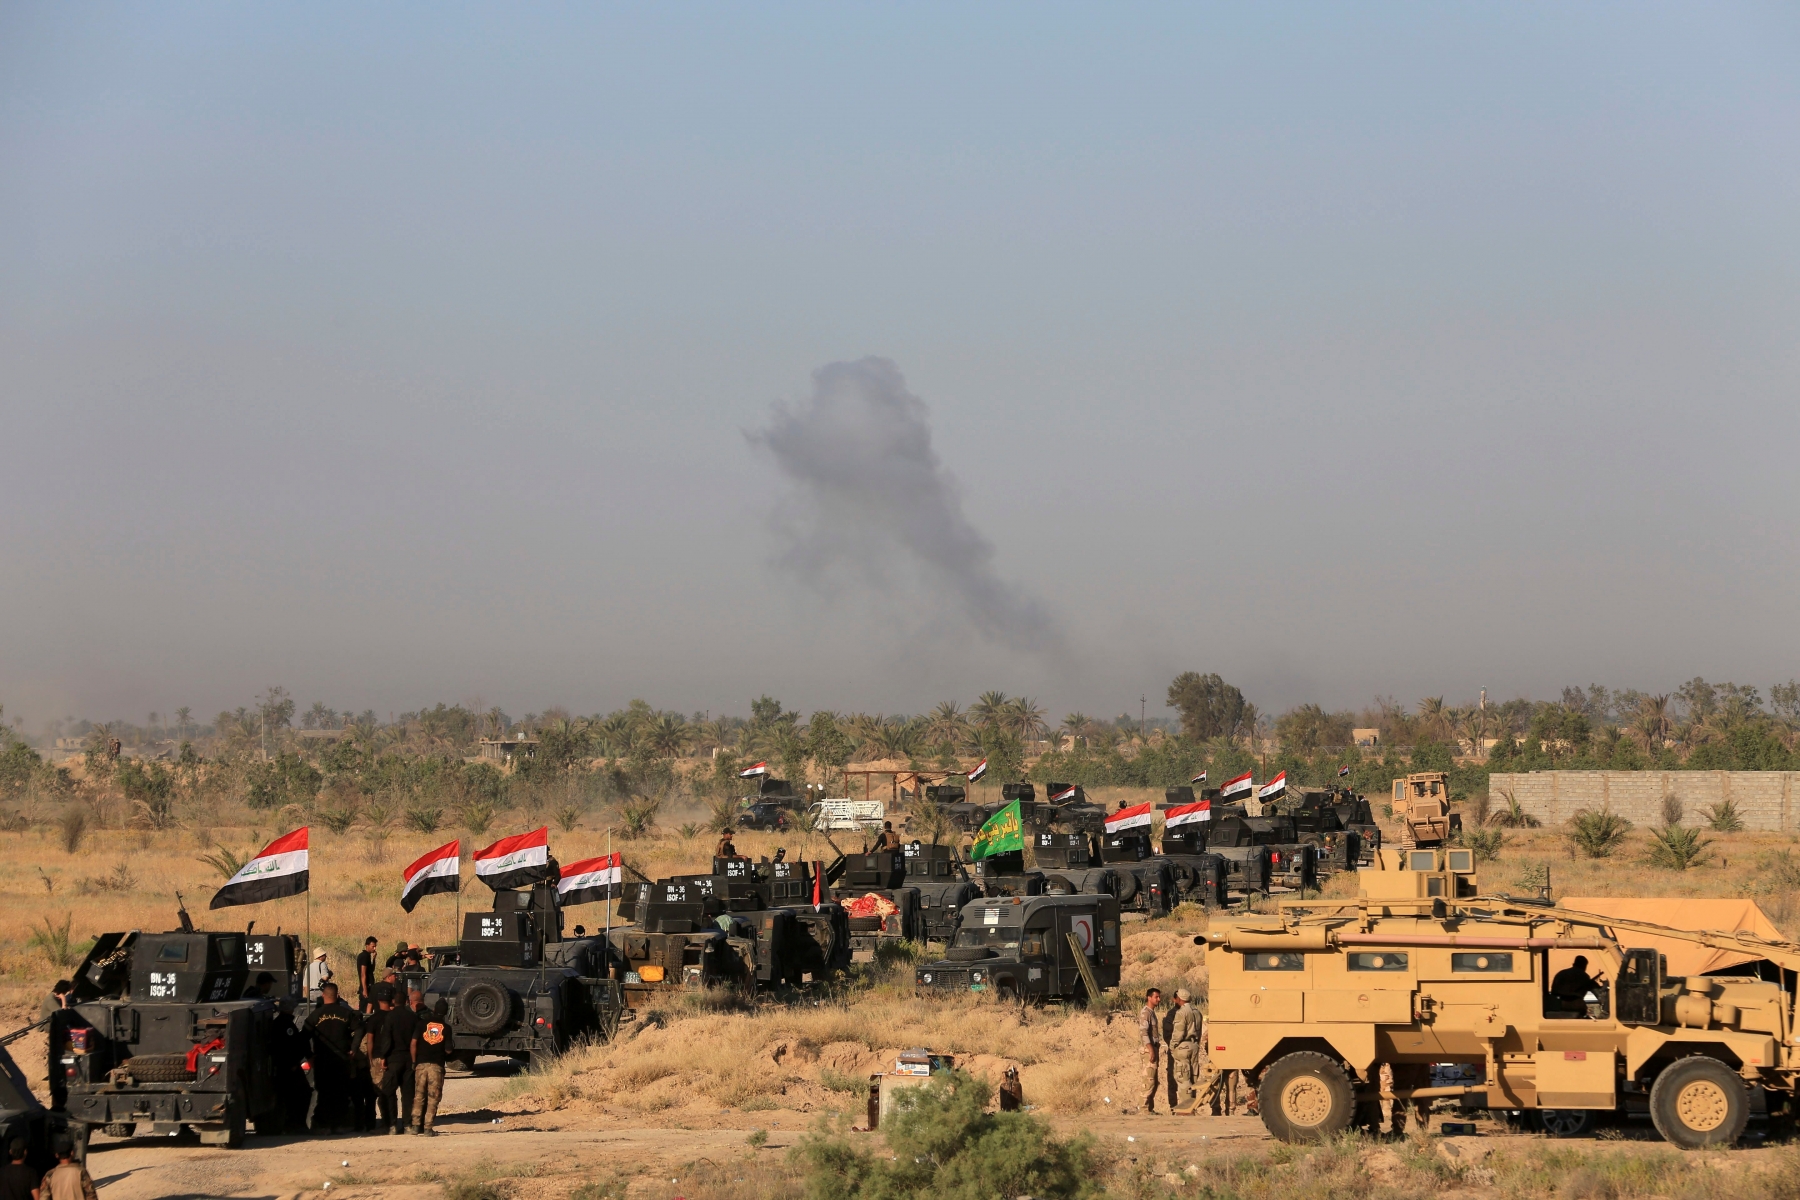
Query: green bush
x=1486 y=843
x=1677 y=847
x=1724 y=817
x=945 y=1145
x=1597 y=832
x=837 y=1081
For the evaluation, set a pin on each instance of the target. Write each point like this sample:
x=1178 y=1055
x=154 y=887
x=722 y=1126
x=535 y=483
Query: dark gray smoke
x=872 y=501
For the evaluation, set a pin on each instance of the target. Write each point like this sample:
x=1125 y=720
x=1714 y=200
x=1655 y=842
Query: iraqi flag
x=1273 y=788
x=278 y=870
x=1242 y=785
x=513 y=861
x=1187 y=814
x=1135 y=817
x=1200 y=778
x=753 y=770
x=439 y=870
x=1067 y=793
x=978 y=770
x=592 y=879
x=1343 y=771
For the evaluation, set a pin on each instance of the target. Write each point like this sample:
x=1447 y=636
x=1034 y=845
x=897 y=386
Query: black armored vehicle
x=746 y=925
x=1146 y=880
x=944 y=885
x=1240 y=838
x=1069 y=808
x=772 y=807
x=179 y=1030
x=517 y=989
x=883 y=905
x=1017 y=948
x=1339 y=824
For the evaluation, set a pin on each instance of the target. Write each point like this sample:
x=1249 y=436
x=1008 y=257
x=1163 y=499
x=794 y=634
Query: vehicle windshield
x=992 y=937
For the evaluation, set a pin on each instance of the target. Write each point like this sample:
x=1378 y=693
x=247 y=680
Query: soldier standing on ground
x=318 y=974
x=335 y=1028
x=365 y=975
x=68 y=1179
x=395 y=1049
x=1150 y=1037
x=18 y=1181
x=430 y=1049
x=1185 y=1032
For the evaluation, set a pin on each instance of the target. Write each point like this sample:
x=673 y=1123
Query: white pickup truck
x=849 y=814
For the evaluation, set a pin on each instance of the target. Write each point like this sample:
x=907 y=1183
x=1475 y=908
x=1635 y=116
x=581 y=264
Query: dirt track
x=471 y=1133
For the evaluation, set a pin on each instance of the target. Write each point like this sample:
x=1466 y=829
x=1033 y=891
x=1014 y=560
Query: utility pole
x=1143 y=727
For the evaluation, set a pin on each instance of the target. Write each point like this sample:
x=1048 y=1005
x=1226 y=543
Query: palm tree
x=665 y=735
x=1024 y=719
x=1652 y=722
x=1433 y=717
x=947 y=725
x=1473 y=723
x=1076 y=725
x=989 y=710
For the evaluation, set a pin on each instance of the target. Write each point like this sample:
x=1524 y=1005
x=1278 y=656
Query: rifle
x=16 y=1034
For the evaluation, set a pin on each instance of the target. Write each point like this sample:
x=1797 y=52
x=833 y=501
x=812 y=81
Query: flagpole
x=609 y=900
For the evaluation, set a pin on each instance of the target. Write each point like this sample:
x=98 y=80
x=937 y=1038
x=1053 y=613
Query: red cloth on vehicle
x=870 y=905
x=194 y=1053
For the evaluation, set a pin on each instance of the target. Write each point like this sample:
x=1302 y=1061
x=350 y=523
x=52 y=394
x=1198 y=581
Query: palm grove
x=419 y=770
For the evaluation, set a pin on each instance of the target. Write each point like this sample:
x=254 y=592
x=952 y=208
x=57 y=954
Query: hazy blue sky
x=418 y=353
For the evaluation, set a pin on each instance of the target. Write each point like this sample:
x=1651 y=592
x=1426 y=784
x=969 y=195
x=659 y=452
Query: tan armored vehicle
x=1420 y=969
x=1422 y=806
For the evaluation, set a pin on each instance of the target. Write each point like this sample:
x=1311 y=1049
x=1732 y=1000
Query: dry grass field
x=713 y=1069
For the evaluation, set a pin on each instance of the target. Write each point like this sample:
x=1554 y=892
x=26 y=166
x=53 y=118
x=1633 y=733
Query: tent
x=1685 y=958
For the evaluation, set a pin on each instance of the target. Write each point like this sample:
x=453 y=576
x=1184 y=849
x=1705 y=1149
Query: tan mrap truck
x=1422 y=807
x=1420 y=969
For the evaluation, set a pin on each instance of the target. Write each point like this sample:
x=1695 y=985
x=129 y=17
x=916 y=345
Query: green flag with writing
x=1004 y=831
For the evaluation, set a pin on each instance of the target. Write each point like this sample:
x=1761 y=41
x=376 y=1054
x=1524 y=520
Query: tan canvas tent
x=1685 y=958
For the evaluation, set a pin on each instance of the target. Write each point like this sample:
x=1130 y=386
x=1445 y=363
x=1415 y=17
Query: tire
x=234 y=1131
x=159 y=1068
x=1058 y=885
x=1128 y=886
x=484 y=1008
x=1565 y=1122
x=1699 y=1102
x=120 y=1129
x=1305 y=1097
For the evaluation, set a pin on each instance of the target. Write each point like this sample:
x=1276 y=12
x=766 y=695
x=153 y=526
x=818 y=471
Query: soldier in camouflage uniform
x=1185 y=1032
x=1150 y=1036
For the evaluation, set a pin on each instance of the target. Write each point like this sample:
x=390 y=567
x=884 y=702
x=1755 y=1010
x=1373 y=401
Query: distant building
x=503 y=750
x=1366 y=739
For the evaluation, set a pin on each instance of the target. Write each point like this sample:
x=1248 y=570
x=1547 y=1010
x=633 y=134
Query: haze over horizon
x=874 y=357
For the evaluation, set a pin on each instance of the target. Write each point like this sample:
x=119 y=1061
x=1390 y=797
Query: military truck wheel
x=484 y=1008
x=1566 y=1122
x=1305 y=1097
x=119 y=1129
x=1058 y=885
x=1698 y=1102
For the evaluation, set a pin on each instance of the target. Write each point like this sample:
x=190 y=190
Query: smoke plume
x=872 y=502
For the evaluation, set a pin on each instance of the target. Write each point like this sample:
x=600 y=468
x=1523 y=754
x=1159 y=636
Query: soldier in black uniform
x=392 y=1049
x=726 y=847
x=334 y=1028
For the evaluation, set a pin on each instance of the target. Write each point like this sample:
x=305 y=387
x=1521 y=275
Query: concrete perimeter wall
x=1764 y=799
